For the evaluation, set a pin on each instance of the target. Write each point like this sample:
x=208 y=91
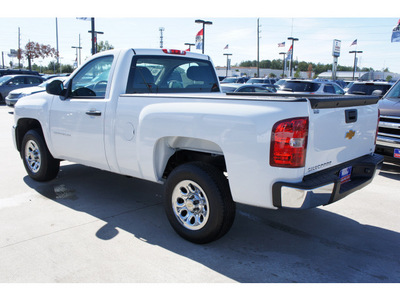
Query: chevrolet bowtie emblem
x=350 y=134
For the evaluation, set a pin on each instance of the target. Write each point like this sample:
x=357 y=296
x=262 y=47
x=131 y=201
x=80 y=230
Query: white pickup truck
x=159 y=115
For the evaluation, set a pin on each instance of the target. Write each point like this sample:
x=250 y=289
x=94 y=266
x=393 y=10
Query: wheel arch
x=171 y=152
x=23 y=126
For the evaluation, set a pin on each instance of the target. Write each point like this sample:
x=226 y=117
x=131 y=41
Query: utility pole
x=258 y=47
x=204 y=31
x=161 y=36
x=355 y=60
x=227 y=63
x=19 y=53
x=75 y=47
x=283 y=63
x=291 y=56
x=189 y=44
x=58 y=54
x=80 y=47
x=93 y=37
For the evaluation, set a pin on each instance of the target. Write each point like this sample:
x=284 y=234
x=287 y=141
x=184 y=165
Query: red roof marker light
x=173 y=51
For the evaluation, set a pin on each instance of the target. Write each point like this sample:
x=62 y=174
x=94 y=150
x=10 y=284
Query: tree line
x=34 y=50
x=277 y=64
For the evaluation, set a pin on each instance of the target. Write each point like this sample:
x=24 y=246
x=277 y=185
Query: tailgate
x=340 y=129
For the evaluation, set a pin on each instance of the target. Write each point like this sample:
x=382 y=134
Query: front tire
x=198 y=202
x=38 y=162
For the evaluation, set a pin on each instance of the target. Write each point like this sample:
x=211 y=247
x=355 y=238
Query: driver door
x=77 y=120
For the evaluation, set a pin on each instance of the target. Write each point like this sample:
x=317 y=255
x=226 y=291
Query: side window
x=92 y=79
x=33 y=80
x=17 y=81
x=247 y=89
x=338 y=90
x=329 y=89
x=258 y=90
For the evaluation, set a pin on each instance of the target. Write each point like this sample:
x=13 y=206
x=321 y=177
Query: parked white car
x=310 y=87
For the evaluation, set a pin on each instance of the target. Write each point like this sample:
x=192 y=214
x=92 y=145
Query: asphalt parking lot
x=88 y=225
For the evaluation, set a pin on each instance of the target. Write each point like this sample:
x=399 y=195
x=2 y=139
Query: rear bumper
x=324 y=187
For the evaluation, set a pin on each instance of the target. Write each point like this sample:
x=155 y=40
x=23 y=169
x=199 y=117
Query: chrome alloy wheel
x=32 y=156
x=190 y=205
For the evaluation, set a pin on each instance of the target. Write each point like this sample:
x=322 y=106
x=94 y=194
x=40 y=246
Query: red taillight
x=289 y=143
x=173 y=51
x=377 y=125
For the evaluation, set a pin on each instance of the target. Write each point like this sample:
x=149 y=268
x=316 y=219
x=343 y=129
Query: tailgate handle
x=351 y=115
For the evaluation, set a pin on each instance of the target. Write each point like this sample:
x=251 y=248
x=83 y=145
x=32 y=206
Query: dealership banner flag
x=289 y=53
x=396 y=33
x=281 y=44
x=354 y=42
x=199 y=39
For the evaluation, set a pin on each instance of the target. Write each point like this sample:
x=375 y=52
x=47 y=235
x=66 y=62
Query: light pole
x=227 y=63
x=291 y=57
x=189 y=44
x=94 y=37
x=204 y=31
x=78 y=62
x=355 y=60
x=283 y=63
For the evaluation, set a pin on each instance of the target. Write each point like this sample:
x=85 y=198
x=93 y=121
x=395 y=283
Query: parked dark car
x=255 y=88
x=4 y=72
x=12 y=82
x=261 y=80
x=234 y=80
x=368 y=87
x=16 y=94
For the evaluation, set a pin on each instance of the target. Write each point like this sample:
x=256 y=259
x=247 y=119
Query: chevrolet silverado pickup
x=160 y=115
x=388 y=142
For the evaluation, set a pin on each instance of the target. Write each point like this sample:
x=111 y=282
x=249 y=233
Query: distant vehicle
x=9 y=83
x=17 y=94
x=220 y=78
x=388 y=141
x=255 y=88
x=4 y=72
x=349 y=85
x=369 y=87
x=49 y=76
x=311 y=87
x=280 y=82
x=230 y=87
x=234 y=80
x=261 y=80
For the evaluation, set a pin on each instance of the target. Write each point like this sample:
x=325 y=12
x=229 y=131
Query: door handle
x=93 y=113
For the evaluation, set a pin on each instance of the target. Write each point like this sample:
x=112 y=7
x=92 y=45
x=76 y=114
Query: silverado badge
x=350 y=134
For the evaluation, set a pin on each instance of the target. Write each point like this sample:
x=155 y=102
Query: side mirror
x=377 y=93
x=56 y=87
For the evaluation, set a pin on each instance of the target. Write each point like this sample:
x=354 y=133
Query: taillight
x=377 y=125
x=173 y=51
x=289 y=143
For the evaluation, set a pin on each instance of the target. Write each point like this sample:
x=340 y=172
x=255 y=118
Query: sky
x=234 y=24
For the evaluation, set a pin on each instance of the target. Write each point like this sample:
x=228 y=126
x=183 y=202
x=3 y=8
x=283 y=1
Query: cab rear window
x=162 y=74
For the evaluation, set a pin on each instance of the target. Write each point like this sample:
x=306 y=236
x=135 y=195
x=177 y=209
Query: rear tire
x=38 y=162
x=198 y=202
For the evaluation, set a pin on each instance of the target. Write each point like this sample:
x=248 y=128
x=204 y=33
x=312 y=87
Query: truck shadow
x=263 y=245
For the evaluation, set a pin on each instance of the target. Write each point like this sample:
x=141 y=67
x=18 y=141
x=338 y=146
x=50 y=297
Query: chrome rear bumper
x=323 y=188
